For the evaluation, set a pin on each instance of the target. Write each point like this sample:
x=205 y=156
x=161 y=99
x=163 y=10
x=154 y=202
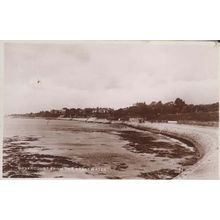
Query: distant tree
x=179 y=103
x=141 y=109
x=88 y=111
x=159 y=107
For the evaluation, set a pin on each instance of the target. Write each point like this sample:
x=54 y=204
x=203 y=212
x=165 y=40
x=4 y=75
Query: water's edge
x=189 y=141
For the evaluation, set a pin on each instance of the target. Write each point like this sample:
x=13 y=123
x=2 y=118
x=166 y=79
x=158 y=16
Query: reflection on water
x=71 y=149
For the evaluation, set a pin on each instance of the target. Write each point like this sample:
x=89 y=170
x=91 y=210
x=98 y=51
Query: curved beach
x=123 y=149
x=205 y=140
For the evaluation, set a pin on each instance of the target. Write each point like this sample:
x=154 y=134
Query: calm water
x=71 y=149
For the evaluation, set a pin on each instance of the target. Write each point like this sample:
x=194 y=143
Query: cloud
x=91 y=74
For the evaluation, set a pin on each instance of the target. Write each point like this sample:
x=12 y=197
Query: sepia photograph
x=146 y=110
x=109 y=109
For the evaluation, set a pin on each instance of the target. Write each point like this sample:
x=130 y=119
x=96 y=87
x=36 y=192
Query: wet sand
x=68 y=149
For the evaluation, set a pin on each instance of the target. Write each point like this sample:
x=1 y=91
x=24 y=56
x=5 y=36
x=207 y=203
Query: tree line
x=152 y=111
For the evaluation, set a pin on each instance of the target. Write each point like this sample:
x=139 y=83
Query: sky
x=44 y=76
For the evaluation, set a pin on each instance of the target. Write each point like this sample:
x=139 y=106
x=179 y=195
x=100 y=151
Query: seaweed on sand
x=160 y=174
x=142 y=143
x=17 y=163
x=119 y=166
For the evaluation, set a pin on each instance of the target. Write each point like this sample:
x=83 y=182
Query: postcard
x=144 y=110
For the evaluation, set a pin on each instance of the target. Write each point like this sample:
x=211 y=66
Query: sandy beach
x=203 y=137
x=120 y=149
x=94 y=149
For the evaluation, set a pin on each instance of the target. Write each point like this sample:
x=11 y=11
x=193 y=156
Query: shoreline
x=206 y=142
x=204 y=139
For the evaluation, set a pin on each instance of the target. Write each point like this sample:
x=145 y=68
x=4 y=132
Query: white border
x=109 y=20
